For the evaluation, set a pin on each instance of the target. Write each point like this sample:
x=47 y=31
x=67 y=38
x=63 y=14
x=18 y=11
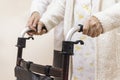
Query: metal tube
x=71 y=32
x=68 y=58
x=24 y=32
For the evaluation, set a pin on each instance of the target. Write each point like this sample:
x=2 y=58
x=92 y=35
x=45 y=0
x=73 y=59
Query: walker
x=27 y=70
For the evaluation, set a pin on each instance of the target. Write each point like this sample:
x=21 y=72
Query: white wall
x=13 y=18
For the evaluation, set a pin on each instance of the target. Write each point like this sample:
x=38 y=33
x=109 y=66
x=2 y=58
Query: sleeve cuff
x=48 y=23
x=36 y=10
x=106 y=21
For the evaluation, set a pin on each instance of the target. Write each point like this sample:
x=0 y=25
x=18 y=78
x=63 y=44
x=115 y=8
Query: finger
x=30 y=34
x=39 y=28
x=86 y=28
x=30 y=21
x=99 y=30
x=30 y=25
x=95 y=33
x=36 y=20
x=43 y=31
x=91 y=31
x=94 y=30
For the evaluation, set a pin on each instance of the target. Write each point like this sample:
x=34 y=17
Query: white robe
x=107 y=45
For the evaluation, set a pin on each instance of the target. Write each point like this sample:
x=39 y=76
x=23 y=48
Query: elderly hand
x=35 y=25
x=92 y=27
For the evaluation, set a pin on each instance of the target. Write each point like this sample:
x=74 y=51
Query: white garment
x=41 y=6
x=84 y=55
x=108 y=57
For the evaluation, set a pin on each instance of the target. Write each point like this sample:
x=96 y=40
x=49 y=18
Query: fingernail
x=39 y=31
x=34 y=25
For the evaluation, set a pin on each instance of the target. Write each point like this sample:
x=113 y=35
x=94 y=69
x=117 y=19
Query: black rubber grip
x=44 y=27
x=81 y=27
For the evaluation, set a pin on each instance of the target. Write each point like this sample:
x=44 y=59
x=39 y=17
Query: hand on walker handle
x=92 y=27
x=37 y=27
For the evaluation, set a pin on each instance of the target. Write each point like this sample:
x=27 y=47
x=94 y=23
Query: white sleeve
x=110 y=18
x=39 y=6
x=54 y=14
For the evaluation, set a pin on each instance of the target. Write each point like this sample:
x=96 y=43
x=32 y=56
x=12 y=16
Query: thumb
x=39 y=28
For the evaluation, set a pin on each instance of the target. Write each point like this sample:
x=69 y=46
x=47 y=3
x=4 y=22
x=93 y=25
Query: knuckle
x=84 y=32
x=85 y=29
x=93 y=36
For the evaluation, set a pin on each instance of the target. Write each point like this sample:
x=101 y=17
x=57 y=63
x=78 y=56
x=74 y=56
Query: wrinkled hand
x=35 y=25
x=92 y=27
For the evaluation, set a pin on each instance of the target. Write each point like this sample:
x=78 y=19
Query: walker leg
x=57 y=61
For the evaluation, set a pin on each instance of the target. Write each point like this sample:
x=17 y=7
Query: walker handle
x=25 y=30
x=78 y=28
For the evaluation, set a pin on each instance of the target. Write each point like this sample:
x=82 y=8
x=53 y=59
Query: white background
x=13 y=17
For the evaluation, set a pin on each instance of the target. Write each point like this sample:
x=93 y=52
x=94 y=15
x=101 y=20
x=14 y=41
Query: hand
x=34 y=24
x=40 y=29
x=92 y=27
